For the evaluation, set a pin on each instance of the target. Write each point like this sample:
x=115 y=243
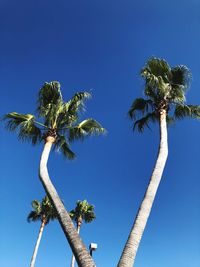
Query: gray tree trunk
x=79 y=250
x=73 y=258
x=37 y=245
x=129 y=253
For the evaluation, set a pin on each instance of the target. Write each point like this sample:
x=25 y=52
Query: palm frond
x=36 y=205
x=182 y=111
x=89 y=215
x=49 y=96
x=33 y=216
x=177 y=94
x=140 y=105
x=63 y=115
x=15 y=119
x=63 y=118
x=76 y=104
x=154 y=68
x=63 y=146
x=25 y=126
x=85 y=128
x=181 y=75
x=150 y=91
x=52 y=115
x=68 y=112
x=144 y=122
x=156 y=74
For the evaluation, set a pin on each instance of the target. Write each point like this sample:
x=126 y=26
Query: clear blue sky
x=100 y=46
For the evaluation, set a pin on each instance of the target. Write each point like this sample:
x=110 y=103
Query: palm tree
x=165 y=89
x=43 y=212
x=59 y=126
x=83 y=212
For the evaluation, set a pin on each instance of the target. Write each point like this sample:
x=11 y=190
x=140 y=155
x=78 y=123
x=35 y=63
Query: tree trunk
x=37 y=245
x=132 y=244
x=79 y=250
x=73 y=258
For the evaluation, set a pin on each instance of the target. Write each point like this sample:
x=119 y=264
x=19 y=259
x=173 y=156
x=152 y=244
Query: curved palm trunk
x=132 y=244
x=73 y=258
x=79 y=250
x=37 y=245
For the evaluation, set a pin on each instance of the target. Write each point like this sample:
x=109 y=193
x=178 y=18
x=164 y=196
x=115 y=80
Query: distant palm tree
x=59 y=127
x=83 y=212
x=165 y=89
x=43 y=212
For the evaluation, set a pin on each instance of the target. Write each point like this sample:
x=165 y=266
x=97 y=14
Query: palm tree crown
x=43 y=211
x=165 y=89
x=83 y=212
x=59 y=119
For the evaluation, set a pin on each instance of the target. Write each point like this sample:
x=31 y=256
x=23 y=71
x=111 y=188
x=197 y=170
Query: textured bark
x=132 y=244
x=73 y=258
x=79 y=250
x=37 y=245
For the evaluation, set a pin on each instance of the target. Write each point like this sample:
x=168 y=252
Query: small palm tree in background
x=165 y=89
x=83 y=212
x=44 y=212
x=58 y=126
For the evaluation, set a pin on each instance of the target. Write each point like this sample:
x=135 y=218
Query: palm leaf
x=68 y=112
x=85 y=128
x=150 y=91
x=89 y=216
x=181 y=76
x=156 y=74
x=33 y=216
x=36 y=205
x=15 y=119
x=53 y=114
x=63 y=146
x=177 y=94
x=182 y=111
x=63 y=118
x=154 y=68
x=140 y=105
x=49 y=96
x=24 y=124
x=63 y=115
x=144 y=121
x=76 y=104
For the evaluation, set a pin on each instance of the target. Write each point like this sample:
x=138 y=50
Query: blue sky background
x=100 y=46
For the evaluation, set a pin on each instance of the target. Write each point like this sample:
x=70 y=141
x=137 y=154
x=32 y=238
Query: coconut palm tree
x=83 y=212
x=165 y=102
x=43 y=212
x=57 y=125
